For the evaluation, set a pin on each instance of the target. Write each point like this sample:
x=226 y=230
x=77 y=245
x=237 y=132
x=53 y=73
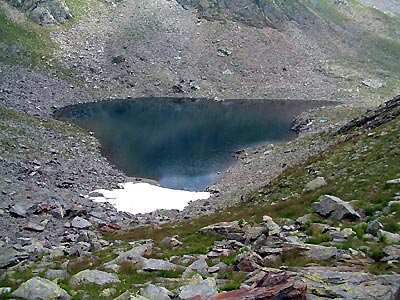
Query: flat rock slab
x=325 y=283
x=40 y=288
x=93 y=276
x=10 y=257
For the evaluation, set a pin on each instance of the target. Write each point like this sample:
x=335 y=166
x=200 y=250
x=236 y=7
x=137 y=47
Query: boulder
x=275 y=284
x=393 y=252
x=320 y=253
x=373 y=227
x=249 y=261
x=93 y=276
x=335 y=208
x=229 y=230
x=124 y=296
x=199 y=291
x=326 y=283
x=80 y=223
x=199 y=266
x=390 y=237
x=39 y=288
x=154 y=292
x=272 y=227
x=315 y=184
x=10 y=257
x=158 y=265
x=56 y=274
x=170 y=242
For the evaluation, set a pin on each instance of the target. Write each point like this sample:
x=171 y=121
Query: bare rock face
x=44 y=12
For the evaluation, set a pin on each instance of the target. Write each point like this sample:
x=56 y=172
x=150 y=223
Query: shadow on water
x=183 y=144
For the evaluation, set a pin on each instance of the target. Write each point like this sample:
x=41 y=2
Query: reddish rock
x=44 y=208
x=110 y=228
x=285 y=291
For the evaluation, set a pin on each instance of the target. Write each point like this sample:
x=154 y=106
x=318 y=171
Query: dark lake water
x=183 y=144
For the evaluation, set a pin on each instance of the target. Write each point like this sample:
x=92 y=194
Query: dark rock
x=373 y=227
x=249 y=261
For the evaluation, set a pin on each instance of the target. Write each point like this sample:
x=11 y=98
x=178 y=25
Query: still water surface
x=183 y=144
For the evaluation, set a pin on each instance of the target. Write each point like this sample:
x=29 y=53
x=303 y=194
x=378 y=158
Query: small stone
x=107 y=293
x=5 y=290
x=393 y=181
x=18 y=211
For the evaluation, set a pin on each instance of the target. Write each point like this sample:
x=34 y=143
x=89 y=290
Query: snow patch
x=144 y=197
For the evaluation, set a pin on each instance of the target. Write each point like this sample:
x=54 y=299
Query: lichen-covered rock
x=335 y=208
x=39 y=288
x=93 y=276
x=199 y=291
x=158 y=265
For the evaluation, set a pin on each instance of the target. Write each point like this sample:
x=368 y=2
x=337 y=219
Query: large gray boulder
x=335 y=208
x=199 y=266
x=200 y=290
x=93 y=276
x=39 y=288
x=154 y=292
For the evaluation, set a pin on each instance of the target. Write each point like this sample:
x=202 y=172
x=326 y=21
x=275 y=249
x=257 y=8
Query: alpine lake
x=183 y=143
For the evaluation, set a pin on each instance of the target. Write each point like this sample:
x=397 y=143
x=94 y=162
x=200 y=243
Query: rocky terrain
x=316 y=218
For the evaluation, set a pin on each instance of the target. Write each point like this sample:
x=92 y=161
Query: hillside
x=280 y=241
